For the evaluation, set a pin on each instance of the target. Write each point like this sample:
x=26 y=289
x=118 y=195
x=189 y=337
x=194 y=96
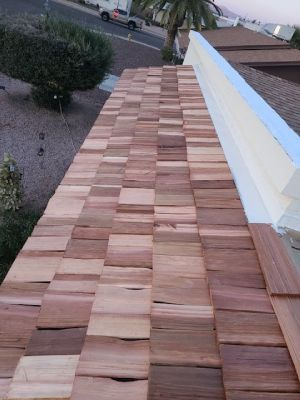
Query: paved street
x=76 y=14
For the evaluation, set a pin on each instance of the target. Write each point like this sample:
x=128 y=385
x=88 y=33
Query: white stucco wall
x=262 y=151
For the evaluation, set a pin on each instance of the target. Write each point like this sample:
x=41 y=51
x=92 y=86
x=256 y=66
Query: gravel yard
x=39 y=140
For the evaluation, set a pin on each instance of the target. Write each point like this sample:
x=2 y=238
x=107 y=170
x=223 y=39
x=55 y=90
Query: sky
x=277 y=11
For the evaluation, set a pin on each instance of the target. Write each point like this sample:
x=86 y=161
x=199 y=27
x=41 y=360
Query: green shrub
x=50 y=98
x=11 y=192
x=55 y=56
x=15 y=228
x=167 y=54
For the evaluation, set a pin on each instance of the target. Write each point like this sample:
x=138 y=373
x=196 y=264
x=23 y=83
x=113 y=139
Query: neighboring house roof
x=282 y=95
x=238 y=37
x=143 y=279
x=265 y=57
x=242 y=45
x=239 y=44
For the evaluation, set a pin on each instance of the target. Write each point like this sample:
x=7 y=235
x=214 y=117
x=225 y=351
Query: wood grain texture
x=4 y=386
x=42 y=377
x=221 y=278
x=129 y=256
x=33 y=269
x=129 y=278
x=22 y=293
x=17 y=323
x=257 y=368
x=182 y=291
x=56 y=342
x=109 y=389
x=288 y=313
x=120 y=326
x=256 y=329
x=184 y=347
x=76 y=266
x=241 y=299
x=114 y=358
x=165 y=266
x=119 y=300
x=9 y=358
x=279 y=271
x=65 y=310
x=225 y=237
x=185 y=317
x=215 y=216
x=171 y=382
x=242 y=395
x=232 y=260
x=86 y=249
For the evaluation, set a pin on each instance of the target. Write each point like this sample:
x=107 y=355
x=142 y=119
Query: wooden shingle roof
x=143 y=280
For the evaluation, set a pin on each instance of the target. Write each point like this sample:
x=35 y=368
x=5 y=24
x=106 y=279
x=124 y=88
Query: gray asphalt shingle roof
x=282 y=95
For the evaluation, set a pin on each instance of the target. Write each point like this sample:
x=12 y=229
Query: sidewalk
x=155 y=30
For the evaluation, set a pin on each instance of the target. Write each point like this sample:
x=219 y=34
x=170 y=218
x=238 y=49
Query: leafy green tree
x=295 y=42
x=194 y=12
x=11 y=192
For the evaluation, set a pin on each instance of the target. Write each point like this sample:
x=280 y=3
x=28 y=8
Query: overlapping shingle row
x=142 y=280
x=256 y=362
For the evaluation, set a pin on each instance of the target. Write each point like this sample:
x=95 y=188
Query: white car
x=121 y=16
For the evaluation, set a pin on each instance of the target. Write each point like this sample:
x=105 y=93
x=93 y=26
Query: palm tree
x=177 y=11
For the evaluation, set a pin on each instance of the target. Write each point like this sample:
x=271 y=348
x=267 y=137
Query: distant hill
x=228 y=13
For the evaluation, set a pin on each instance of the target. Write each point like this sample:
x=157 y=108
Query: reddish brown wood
x=17 y=323
x=184 y=347
x=220 y=278
x=172 y=316
x=9 y=358
x=182 y=291
x=22 y=293
x=243 y=395
x=86 y=249
x=251 y=328
x=56 y=342
x=257 y=368
x=109 y=389
x=171 y=382
x=65 y=310
x=114 y=358
x=287 y=310
x=279 y=271
x=232 y=260
x=241 y=299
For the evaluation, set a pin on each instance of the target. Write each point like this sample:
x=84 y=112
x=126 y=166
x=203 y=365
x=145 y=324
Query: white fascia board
x=263 y=152
x=287 y=138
